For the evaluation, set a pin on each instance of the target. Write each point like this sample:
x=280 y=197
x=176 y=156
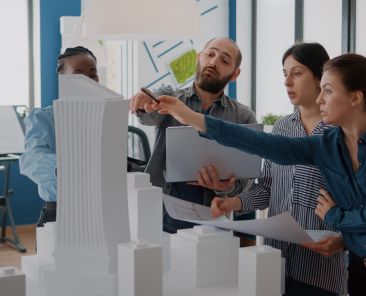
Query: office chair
x=138 y=149
x=5 y=206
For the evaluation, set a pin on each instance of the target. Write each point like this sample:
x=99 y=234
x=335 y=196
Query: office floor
x=9 y=256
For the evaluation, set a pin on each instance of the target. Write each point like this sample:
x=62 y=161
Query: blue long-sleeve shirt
x=329 y=153
x=38 y=162
x=295 y=189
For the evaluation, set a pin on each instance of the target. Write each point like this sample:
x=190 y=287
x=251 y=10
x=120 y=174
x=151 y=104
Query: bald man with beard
x=217 y=65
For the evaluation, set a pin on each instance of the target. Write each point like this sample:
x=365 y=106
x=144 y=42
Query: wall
x=14 y=53
x=360 y=27
x=50 y=40
x=25 y=201
x=243 y=35
x=154 y=56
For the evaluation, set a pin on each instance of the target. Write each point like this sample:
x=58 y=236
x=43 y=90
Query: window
x=14 y=52
x=323 y=24
x=360 y=27
x=275 y=33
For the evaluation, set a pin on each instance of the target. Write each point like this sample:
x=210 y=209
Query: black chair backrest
x=138 y=150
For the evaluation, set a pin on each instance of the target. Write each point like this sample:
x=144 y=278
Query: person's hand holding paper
x=281 y=227
x=208 y=177
x=222 y=206
x=326 y=246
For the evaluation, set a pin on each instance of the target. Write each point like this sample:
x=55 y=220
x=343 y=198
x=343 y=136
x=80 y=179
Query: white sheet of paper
x=281 y=227
x=182 y=165
x=182 y=210
x=318 y=235
x=11 y=134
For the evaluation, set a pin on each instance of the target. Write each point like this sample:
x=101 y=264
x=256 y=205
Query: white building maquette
x=92 y=212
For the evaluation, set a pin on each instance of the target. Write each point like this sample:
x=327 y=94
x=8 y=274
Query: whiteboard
x=11 y=132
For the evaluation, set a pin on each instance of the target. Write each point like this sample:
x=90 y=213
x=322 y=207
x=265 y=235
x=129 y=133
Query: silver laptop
x=187 y=153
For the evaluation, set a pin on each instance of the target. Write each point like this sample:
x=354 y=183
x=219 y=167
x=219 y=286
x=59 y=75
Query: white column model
x=145 y=208
x=260 y=271
x=36 y=266
x=92 y=216
x=203 y=256
x=140 y=269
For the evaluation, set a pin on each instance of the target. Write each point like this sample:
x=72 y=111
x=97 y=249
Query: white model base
x=172 y=284
x=203 y=256
x=260 y=271
x=76 y=284
x=171 y=287
x=140 y=269
x=12 y=281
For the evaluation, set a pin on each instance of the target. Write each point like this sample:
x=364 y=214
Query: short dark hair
x=311 y=55
x=72 y=51
x=352 y=69
x=238 y=57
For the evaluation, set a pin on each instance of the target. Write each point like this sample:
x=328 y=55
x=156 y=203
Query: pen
x=147 y=92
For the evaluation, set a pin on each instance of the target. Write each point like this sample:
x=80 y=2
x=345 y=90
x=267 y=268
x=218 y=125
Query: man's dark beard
x=212 y=85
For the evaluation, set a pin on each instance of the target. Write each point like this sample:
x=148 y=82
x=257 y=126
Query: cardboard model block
x=259 y=271
x=140 y=269
x=203 y=256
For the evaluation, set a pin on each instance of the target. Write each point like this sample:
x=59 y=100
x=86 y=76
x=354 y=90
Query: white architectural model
x=140 y=262
x=91 y=254
x=203 y=256
x=92 y=213
x=12 y=281
x=145 y=208
x=35 y=266
x=260 y=271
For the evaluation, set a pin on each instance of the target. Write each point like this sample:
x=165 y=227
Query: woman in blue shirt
x=339 y=153
x=38 y=162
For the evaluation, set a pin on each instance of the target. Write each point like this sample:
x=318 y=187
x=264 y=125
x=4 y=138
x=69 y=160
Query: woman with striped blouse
x=295 y=189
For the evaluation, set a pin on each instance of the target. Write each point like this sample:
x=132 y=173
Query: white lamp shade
x=141 y=19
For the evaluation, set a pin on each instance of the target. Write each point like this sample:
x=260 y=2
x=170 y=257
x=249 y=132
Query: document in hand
x=281 y=227
x=187 y=153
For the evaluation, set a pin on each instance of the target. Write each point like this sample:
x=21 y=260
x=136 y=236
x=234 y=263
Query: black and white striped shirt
x=295 y=189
